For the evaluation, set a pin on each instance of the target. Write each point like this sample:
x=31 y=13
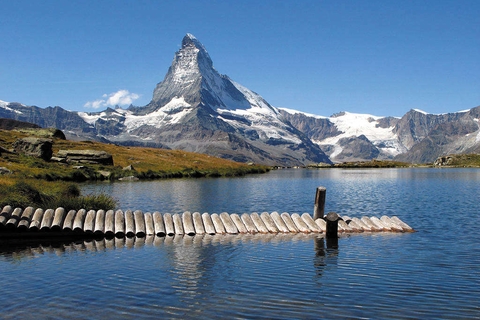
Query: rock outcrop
x=85 y=156
x=35 y=147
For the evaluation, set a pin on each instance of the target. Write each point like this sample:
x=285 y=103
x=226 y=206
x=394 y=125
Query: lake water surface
x=433 y=273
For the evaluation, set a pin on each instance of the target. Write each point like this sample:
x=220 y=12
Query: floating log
x=300 y=224
x=119 y=224
x=129 y=224
x=402 y=224
x=269 y=223
x=218 y=224
x=393 y=226
x=238 y=223
x=78 y=223
x=227 y=221
x=366 y=220
x=47 y=220
x=248 y=222
x=58 y=218
x=344 y=226
x=110 y=224
x=89 y=225
x=139 y=218
x=99 y=225
x=158 y=224
x=322 y=224
x=68 y=222
x=198 y=223
x=187 y=221
x=380 y=224
x=177 y=224
x=208 y=223
x=169 y=228
x=307 y=218
x=149 y=226
x=277 y=219
x=259 y=224
x=287 y=219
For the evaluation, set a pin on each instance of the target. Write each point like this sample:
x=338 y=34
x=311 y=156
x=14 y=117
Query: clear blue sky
x=375 y=56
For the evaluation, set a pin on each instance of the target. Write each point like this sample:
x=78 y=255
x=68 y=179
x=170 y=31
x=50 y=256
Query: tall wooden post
x=332 y=225
x=319 y=208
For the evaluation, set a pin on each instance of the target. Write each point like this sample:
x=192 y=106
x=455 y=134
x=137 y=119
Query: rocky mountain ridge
x=195 y=108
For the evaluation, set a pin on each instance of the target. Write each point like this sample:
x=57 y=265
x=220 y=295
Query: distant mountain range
x=197 y=109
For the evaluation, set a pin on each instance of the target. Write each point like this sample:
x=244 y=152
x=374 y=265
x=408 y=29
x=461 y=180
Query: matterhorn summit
x=195 y=108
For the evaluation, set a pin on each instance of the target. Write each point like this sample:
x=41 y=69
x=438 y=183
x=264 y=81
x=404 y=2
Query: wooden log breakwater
x=31 y=222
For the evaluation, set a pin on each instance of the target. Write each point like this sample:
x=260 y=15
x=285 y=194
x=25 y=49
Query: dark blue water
x=433 y=273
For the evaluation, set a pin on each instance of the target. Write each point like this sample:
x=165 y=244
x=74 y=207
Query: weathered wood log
x=402 y=224
x=352 y=224
x=319 y=207
x=332 y=225
x=129 y=224
x=25 y=219
x=269 y=223
x=208 y=223
x=300 y=224
x=227 y=221
x=342 y=225
x=47 y=220
x=218 y=224
x=379 y=223
x=187 y=222
x=89 y=224
x=5 y=215
x=248 y=222
x=282 y=227
x=140 y=229
x=322 y=225
x=307 y=218
x=238 y=223
x=119 y=224
x=360 y=223
x=79 y=220
x=149 y=226
x=393 y=226
x=12 y=222
x=177 y=224
x=58 y=219
x=109 y=224
x=257 y=221
x=99 y=229
x=68 y=222
x=198 y=223
x=168 y=221
x=158 y=224
x=289 y=222
x=369 y=223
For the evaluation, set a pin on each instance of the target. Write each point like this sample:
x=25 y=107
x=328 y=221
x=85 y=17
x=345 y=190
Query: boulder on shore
x=35 y=147
x=86 y=156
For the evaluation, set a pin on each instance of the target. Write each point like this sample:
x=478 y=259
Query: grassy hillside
x=40 y=183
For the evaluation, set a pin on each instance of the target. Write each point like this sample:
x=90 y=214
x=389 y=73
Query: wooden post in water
x=332 y=225
x=319 y=208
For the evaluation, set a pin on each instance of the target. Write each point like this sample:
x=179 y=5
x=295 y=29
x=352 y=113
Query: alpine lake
x=432 y=273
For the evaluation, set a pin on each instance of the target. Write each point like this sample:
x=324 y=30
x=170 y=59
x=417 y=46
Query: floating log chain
x=16 y=222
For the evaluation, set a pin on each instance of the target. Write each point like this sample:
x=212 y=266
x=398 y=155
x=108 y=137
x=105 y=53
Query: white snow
x=4 y=105
x=421 y=111
x=293 y=112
